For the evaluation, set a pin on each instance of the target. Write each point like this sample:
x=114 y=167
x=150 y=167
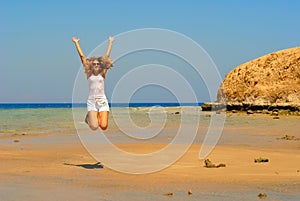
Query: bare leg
x=93 y=120
x=103 y=119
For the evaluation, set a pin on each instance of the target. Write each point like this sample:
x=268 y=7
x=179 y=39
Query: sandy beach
x=58 y=167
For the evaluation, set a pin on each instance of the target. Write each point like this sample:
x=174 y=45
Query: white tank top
x=96 y=85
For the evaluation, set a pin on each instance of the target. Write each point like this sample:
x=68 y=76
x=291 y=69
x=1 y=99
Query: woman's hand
x=75 y=40
x=79 y=50
x=111 y=39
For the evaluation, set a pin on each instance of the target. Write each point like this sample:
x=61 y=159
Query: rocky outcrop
x=270 y=81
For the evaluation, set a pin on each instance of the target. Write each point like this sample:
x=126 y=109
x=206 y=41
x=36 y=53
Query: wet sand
x=58 y=167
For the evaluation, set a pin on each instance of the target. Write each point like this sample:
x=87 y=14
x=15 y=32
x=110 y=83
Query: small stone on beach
x=261 y=160
x=250 y=112
x=288 y=137
x=262 y=196
x=190 y=192
x=169 y=194
x=209 y=164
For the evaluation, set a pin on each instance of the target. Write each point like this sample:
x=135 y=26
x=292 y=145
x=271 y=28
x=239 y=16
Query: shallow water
x=38 y=120
x=159 y=126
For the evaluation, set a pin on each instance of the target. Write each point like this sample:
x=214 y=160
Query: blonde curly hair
x=105 y=63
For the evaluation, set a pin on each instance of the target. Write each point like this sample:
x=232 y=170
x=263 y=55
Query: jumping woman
x=95 y=69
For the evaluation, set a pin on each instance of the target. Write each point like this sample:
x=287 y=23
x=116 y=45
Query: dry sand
x=57 y=167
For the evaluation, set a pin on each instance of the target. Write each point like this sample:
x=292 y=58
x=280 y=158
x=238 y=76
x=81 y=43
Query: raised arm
x=79 y=50
x=110 y=41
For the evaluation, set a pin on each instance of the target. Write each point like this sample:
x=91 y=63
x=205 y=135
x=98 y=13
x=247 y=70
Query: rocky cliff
x=270 y=80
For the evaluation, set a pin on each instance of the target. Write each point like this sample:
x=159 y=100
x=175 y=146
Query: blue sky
x=38 y=61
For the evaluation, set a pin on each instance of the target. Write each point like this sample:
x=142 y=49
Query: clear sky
x=39 y=63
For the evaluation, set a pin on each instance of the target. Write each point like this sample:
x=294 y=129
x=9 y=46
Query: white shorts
x=98 y=105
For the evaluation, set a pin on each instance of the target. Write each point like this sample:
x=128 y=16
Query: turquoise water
x=36 y=120
x=45 y=120
x=60 y=120
x=32 y=118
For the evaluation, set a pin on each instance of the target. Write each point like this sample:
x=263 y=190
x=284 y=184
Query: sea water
x=69 y=118
x=36 y=118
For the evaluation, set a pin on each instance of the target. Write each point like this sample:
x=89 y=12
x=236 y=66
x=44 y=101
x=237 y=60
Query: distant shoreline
x=71 y=105
x=273 y=109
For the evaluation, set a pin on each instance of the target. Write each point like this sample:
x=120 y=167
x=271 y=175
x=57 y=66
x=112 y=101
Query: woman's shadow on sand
x=87 y=166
